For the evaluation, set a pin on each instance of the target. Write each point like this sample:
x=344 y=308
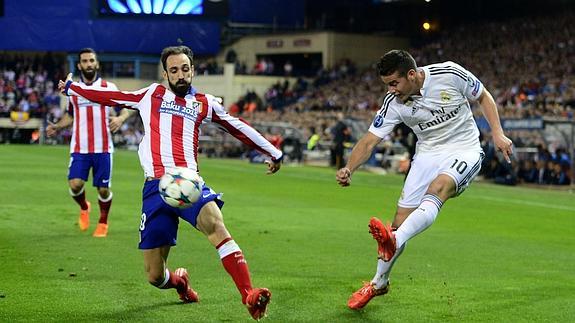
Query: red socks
x=105 y=205
x=80 y=198
x=236 y=265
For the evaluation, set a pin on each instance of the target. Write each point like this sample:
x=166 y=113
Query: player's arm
x=359 y=155
x=474 y=90
x=117 y=121
x=489 y=109
x=102 y=96
x=248 y=135
x=65 y=122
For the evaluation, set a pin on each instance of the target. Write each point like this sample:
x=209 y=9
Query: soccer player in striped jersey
x=433 y=101
x=91 y=146
x=171 y=117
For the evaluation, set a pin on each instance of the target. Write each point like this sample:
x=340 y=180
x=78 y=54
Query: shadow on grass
x=144 y=312
x=345 y=314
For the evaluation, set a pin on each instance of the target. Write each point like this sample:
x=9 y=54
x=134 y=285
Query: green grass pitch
x=498 y=254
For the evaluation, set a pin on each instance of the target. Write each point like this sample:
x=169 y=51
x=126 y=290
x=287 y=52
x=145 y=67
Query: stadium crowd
x=527 y=64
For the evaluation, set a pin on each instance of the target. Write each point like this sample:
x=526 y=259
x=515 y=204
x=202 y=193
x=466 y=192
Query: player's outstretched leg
x=187 y=294
x=257 y=302
x=363 y=295
x=385 y=238
x=256 y=299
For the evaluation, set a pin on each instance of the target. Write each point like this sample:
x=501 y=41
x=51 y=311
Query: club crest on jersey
x=173 y=108
x=445 y=97
x=378 y=121
x=198 y=106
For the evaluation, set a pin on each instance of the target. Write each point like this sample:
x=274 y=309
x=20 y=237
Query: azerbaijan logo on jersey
x=173 y=108
x=378 y=121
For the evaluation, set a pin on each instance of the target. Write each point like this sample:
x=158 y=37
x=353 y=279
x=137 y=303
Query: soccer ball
x=180 y=187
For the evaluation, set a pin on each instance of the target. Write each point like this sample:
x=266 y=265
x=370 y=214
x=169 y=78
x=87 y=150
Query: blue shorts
x=101 y=165
x=159 y=223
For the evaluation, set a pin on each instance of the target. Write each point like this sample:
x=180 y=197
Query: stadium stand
x=528 y=64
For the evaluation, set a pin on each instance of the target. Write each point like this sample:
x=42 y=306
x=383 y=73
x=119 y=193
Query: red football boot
x=385 y=239
x=257 y=302
x=187 y=294
x=360 y=298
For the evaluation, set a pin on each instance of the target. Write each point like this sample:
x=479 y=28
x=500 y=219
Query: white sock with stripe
x=381 y=277
x=418 y=220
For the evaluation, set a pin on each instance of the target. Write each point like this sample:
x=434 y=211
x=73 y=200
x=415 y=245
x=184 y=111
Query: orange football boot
x=385 y=238
x=101 y=230
x=362 y=296
x=257 y=302
x=84 y=218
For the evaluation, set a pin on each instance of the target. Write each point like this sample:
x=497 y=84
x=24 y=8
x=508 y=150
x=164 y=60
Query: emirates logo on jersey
x=191 y=113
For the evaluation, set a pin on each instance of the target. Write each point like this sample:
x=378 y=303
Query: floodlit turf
x=499 y=254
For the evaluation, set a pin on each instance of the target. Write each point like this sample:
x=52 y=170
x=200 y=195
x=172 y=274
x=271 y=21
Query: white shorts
x=461 y=165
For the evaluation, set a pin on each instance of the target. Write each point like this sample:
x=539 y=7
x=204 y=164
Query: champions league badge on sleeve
x=473 y=83
x=378 y=121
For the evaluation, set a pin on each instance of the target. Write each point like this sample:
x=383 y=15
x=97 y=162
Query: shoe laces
x=366 y=289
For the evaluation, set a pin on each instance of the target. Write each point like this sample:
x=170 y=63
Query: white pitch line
x=523 y=202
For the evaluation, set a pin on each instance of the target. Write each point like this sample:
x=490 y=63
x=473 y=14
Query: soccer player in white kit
x=171 y=117
x=433 y=101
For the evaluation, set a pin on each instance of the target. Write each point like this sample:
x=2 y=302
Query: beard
x=180 y=88
x=89 y=74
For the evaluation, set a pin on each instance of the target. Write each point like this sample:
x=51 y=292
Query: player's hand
x=51 y=130
x=116 y=123
x=504 y=145
x=273 y=167
x=62 y=84
x=343 y=177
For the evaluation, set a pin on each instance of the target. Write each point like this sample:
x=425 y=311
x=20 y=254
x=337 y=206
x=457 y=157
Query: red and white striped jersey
x=91 y=130
x=172 y=124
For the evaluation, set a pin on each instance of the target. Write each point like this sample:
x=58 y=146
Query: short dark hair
x=396 y=61
x=176 y=50
x=86 y=50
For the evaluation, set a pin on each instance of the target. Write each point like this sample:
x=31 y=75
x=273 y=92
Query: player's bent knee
x=76 y=186
x=443 y=187
x=104 y=192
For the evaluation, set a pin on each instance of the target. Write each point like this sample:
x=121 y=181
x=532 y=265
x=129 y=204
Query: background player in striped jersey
x=171 y=117
x=91 y=146
x=433 y=101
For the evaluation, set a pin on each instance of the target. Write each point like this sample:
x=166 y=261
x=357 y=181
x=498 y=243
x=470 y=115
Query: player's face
x=403 y=86
x=88 y=66
x=179 y=73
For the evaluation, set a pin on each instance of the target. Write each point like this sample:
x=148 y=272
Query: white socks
x=416 y=222
x=384 y=269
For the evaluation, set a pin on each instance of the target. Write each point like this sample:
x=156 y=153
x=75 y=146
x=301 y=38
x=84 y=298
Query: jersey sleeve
x=241 y=130
x=107 y=96
x=112 y=86
x=386 y=118
x=471 y=87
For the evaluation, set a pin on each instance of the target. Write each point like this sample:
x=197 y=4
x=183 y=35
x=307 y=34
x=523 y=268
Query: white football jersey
x=441 y=116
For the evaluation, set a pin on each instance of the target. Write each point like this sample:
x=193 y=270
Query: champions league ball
x=180 y=187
